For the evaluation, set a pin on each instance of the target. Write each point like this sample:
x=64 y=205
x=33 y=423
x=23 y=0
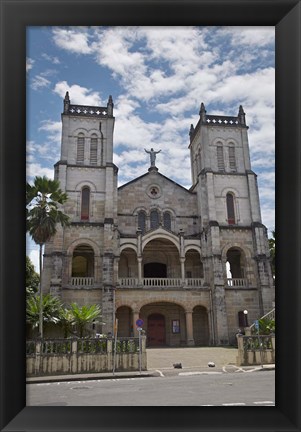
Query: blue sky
x=158 y=77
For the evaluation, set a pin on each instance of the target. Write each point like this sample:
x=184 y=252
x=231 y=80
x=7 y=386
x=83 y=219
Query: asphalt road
x=182 y=389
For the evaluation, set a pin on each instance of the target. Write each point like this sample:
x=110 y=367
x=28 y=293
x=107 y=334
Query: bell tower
x=234 y=240
x=80 y=260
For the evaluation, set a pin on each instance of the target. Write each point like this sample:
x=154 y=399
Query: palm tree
x=42 y=215
x=81 y=316
x=52 y=310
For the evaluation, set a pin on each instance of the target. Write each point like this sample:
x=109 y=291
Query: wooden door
x=156 y=330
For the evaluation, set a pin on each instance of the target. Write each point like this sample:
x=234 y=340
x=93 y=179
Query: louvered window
x=85 y=203
x=232 y=161
x=80 y=149
x=93 y=151
x=220 y=158
x=230 y=209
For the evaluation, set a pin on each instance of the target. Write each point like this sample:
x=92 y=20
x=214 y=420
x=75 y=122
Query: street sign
x=139 y=322
x=139 y=329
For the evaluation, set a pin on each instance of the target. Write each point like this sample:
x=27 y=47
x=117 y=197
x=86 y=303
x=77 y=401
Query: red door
x=156 y=330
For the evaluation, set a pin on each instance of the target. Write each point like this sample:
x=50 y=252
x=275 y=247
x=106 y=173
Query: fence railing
x=256 y=349
x=72 y=356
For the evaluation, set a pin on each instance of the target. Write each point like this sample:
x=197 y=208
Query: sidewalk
x=161 y=360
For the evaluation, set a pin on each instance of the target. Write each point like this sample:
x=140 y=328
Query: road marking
x=264 y=402
x=234 y=404
x=199 y=373
x=160 y=373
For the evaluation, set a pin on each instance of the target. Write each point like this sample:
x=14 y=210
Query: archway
x=164 y=323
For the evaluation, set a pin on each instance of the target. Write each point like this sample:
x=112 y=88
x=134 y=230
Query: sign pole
x=139 y=331
x=115 y=344
x=139 y=324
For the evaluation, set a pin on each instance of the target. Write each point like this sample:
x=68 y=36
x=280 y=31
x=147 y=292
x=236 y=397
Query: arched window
x=93 y=150
x=141 y=221
x=232 y=159
x=167 y=220
x=80 y=148
x=83 y=261
x=85 y=207
x=220 y=157
x=236 y=260
x=230 y=209
x=154 y=219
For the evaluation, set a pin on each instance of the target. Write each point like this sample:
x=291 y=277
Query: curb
x=67 y=378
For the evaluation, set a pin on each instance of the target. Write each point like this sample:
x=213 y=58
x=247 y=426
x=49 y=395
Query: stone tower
x=234 y=240
x=79 y=261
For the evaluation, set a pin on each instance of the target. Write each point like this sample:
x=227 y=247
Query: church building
x=187 y=262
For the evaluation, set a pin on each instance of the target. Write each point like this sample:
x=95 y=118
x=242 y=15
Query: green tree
x=52 y=310
x=43 y=199
x=32 y=278
x=272 y=252
x=81 y=316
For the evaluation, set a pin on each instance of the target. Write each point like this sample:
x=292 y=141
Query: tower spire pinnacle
x=66 y=103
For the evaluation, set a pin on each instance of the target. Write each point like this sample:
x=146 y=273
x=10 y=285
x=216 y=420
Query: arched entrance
x=164 y=324
x=156 y=330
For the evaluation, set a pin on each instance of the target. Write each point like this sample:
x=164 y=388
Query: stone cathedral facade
x=187 y=262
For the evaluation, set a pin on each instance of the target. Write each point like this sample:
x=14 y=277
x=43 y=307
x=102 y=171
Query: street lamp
x=246 y=317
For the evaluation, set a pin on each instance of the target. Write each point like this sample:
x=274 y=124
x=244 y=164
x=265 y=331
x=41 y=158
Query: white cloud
x=39 y=82
x=34 y=169
x=53 y=129
x=74 y=40
x=78 y=95
x=51 y=59
x=29 y=64
x=251 y=36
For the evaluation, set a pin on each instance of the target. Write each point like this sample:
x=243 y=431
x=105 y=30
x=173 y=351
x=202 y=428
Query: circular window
x=153 y=191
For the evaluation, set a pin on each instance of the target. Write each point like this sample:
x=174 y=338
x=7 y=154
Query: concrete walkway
x=196 y=357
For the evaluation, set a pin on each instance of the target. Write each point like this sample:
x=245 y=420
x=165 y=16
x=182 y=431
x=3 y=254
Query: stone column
x=182 y=261
x=139 y=270
x=189 y=328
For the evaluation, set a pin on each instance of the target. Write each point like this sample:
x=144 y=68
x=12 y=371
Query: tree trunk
x=41 y=296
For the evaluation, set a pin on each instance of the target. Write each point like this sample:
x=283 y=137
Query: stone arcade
x=186 y=261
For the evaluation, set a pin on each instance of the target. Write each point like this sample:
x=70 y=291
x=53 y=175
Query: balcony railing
x=161 y=282
x=82 y=281
x=237 y=283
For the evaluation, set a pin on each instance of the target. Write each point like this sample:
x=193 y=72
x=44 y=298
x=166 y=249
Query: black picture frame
x=15 y=16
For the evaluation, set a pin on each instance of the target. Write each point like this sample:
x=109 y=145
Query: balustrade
x=161 y=282
x=237 y=283
x=82 y=281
